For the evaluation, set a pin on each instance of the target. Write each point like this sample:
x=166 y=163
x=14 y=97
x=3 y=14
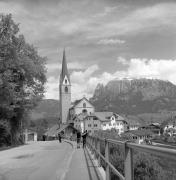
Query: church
x=69 y=110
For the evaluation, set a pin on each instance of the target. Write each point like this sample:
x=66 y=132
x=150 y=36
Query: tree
x=22 y=76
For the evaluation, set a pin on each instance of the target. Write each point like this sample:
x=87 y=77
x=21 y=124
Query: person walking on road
x=60 y=137
x=84 y=135
x=78 y=139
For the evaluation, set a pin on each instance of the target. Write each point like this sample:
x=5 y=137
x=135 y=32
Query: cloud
x=110 y=41
x=107 y=10
x=83 y=76
x=85 y=82
x=150 y=68
x=71 y=65
x=52 y=88
x=139 y=20
x=93 y=33
x=82 y=84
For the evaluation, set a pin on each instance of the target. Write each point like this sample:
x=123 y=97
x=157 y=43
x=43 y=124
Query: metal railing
x=93 y=143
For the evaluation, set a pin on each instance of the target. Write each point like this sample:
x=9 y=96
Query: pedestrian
x=78 y=138
x=44 y=137
x=84 y=135
x=60 y=137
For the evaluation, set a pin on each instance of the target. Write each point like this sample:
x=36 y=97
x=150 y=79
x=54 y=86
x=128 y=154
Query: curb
x=69 y=142
x=100 y=171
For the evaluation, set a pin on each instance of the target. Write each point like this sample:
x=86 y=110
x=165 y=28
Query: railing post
x=129 y=175
x=91 y=144
x=95 y=153
x=98 y=149
x=107 y=159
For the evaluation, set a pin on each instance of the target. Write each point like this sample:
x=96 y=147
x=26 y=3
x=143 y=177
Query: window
x=95 y=125
x=84 y=110
x=84 y=105
x=66 y=89
x=65 y=81
x=89 y=125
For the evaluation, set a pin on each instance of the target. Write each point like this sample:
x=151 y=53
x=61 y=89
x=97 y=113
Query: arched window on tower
x=66 y=89
x=84 y=105
x=65 y=81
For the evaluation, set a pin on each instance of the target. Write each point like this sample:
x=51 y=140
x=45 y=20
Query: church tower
x=65 y=91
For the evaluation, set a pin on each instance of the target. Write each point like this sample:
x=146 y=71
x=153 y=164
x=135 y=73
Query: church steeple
x=64 y=72
x=65 y=91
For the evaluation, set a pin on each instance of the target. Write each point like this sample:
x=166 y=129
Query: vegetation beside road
x=22 y=78
x=146 y=166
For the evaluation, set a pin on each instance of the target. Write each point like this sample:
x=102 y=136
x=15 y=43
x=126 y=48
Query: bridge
x=51 y=160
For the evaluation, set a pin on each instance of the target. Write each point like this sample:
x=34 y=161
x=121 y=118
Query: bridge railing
x=93 y=143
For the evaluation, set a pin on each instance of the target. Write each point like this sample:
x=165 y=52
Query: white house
x=132 y=125
x=104 y=121
x=138 y=136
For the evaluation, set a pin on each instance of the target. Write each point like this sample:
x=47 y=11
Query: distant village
x=81 y=116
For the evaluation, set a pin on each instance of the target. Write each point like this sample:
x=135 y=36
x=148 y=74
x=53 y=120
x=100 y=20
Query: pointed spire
x=64 y=71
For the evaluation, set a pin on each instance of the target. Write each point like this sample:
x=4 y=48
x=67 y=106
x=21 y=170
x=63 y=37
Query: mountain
x=135 y=96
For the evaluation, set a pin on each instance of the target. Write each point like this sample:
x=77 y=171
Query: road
x=47 y=160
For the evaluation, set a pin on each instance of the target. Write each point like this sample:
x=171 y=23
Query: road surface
x=48 y=160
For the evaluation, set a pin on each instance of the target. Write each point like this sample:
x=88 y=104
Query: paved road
x=47 y=160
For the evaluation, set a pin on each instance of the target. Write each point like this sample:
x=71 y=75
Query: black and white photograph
x=87 y=89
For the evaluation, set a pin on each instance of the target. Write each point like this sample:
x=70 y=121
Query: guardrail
x=93 y=143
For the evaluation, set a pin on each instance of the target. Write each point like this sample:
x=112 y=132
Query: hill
x=46 y=108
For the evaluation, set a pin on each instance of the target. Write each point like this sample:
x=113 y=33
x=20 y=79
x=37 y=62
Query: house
x=67 y=131
x=79 y=121
x=138 y=136
x=104 y=121
x=92 y=123
x=154 y=127
x=170 y=129
x=30 y=135
x=132 y=125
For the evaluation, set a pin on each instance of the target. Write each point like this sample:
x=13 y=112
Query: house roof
x=54 y=130
x=106 y=115
x=30 y=130
x=144 y=132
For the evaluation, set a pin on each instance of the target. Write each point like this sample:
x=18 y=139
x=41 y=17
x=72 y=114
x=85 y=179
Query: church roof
x=64 y=71
x=78 y=101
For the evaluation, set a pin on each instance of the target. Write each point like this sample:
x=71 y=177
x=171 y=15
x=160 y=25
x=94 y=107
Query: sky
x=104 y=39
